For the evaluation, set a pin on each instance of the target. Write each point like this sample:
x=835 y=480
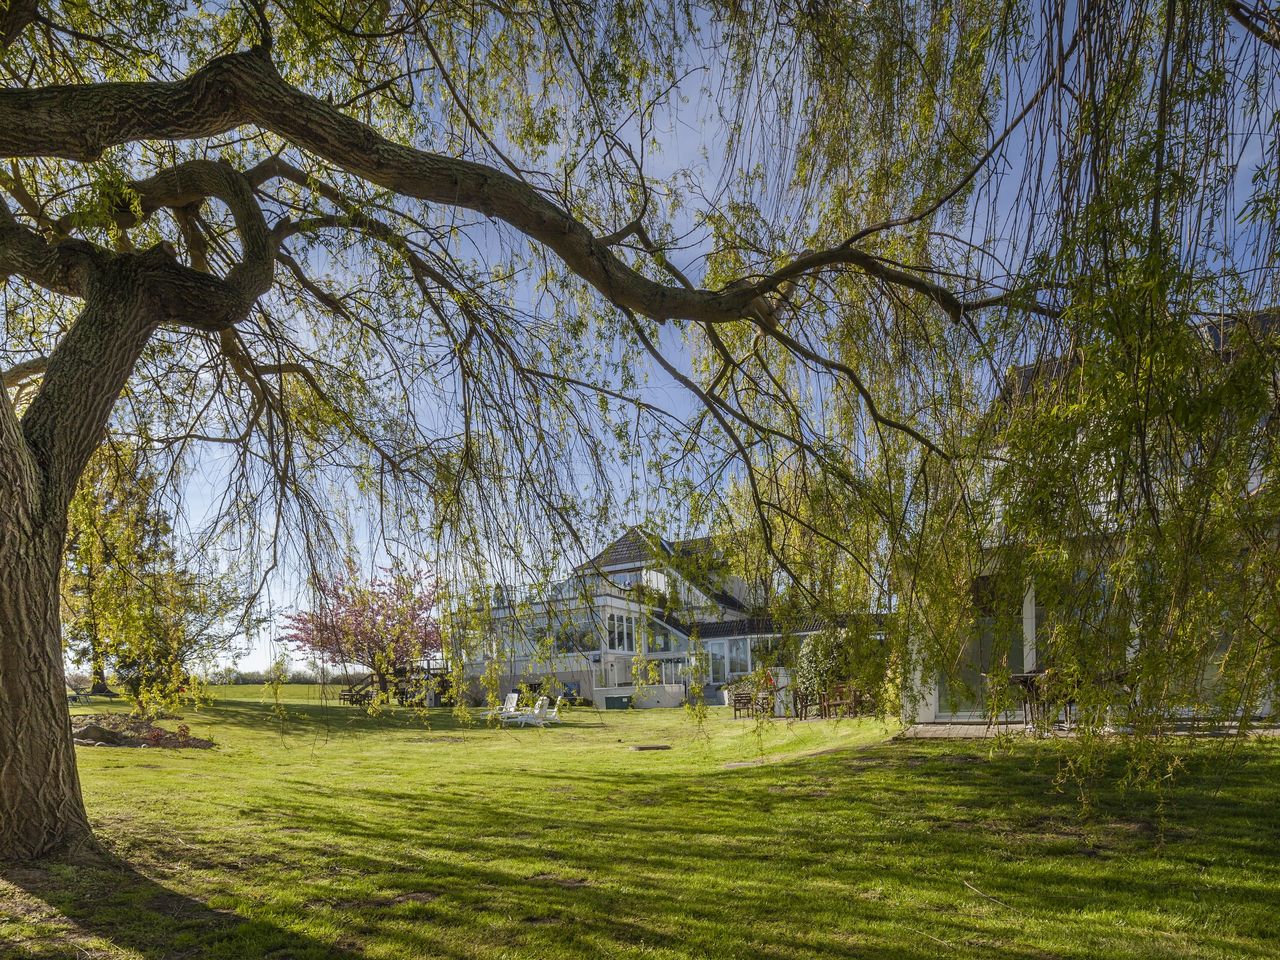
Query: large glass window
x=620 y=630
x=739 y=658
x=574 y=638
x=664 y=671
x=659 y=641
x=663 y=640
x=996 y=644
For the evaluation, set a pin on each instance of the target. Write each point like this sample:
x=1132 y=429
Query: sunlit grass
x=316 y=830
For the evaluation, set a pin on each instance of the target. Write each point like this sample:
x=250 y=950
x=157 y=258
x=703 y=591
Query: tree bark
x=41 y=459
x=41 y=809
x=15 y=17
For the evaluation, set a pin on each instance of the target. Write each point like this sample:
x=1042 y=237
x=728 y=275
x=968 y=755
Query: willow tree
x=433 y=250
x=1110 y=441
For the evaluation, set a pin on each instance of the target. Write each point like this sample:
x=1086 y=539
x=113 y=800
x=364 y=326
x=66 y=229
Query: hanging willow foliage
x=948 y=297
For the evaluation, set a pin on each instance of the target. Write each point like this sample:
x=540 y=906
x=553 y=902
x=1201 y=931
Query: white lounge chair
x=509 y=708
x=553 y=715
x=537 y=717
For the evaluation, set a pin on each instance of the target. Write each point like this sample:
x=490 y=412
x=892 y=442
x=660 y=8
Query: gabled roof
x=630 y=549
x=764 y=626
x=1219 y=331
x=767 y=627
x=636 y=547
x=1022 y=380
x=1216 y=332
x=726 y=629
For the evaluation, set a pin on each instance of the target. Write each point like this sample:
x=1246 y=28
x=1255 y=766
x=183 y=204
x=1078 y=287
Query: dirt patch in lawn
x=419 y=897
x=120 y=730
x=562 y=881
x=789 y=757
x=378 y=902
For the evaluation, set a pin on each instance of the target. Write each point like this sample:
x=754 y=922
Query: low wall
x=649 y=695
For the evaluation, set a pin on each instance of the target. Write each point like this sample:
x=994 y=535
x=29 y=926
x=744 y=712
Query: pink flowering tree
x=381 y=624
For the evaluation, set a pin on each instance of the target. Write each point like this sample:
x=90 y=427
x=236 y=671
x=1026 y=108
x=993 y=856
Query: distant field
x=285 y=692
x=315 y=831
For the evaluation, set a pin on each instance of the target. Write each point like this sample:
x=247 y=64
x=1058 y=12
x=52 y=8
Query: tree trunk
x=41 y=809
x=99 y=686
x=42 y=456
x=41 y=459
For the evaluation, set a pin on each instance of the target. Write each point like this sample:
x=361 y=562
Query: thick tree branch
x=18 y=473
x=127 y=297
x=22 y=372
x=186 y=185
x=1260 y=20
x=16 y=16
x=79 y=122
x=67 y=419
x=61 y=267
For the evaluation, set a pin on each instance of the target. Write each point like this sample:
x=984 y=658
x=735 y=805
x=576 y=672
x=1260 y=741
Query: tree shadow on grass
x=92 y=904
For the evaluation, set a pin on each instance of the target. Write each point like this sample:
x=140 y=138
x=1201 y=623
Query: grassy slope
x=336 y=834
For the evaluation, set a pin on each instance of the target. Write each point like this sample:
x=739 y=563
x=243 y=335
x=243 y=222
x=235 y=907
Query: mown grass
x=328 y=833
x=315 y=693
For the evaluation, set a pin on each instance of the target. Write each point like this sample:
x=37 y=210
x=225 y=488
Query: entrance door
x=718 y=661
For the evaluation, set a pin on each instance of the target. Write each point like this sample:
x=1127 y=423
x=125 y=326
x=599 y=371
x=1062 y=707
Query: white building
x=646 y=622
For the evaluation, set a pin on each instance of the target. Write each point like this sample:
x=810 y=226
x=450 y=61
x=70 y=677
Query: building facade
x=646 y=622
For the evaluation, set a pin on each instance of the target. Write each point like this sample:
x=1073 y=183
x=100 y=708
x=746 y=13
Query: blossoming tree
x=383 y=624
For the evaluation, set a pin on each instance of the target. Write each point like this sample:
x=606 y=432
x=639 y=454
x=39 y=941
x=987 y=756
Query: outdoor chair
x=509 y=708
x=742 y=703
x=534 y=718
x=802 y=700
x=835 y=702
x=553 y=715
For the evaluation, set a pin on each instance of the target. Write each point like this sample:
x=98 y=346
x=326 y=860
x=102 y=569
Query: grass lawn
x=334 y=834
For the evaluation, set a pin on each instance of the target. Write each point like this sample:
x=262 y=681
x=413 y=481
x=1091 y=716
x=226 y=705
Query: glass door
x=718 y=661
x=963 y=692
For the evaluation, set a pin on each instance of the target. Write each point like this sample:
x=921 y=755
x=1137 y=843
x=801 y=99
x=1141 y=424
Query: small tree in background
x=132 y=603
x=383 y=624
